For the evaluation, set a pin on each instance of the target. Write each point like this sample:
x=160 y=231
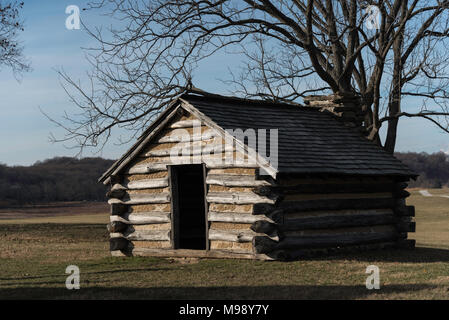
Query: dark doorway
x=189 y=219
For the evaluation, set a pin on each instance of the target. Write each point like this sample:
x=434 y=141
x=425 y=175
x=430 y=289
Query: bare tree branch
x=289 y=48
x=11 y=51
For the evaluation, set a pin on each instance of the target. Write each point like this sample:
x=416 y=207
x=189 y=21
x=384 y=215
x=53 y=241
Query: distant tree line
x=57 y=179
x=433 y=169
x=71 y=179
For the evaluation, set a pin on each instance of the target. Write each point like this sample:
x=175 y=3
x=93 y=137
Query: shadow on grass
x=87 y=273
x=417 y=255
x=173 y=293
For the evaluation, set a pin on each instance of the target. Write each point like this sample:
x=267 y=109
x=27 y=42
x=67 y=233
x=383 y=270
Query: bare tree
x=11 y=52
x=291 y=48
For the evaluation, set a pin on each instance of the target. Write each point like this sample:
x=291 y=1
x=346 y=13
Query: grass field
x=35 y=254
x=59 y=212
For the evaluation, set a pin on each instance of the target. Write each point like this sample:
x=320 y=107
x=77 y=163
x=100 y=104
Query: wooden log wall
x=140 y=221
x=231 y=200
x=251 y=217
x=329 y=214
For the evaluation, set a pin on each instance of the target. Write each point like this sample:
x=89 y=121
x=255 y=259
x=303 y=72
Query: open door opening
x=189 y=218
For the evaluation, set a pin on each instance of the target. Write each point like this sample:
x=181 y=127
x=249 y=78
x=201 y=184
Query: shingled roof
x=310 y=141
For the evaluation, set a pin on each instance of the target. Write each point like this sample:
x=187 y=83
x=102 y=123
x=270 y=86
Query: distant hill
x=57 y=179
x=71 y=179
x=432 y=168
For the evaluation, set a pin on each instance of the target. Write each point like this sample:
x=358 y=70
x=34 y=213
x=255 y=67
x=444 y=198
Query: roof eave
x=153 y=129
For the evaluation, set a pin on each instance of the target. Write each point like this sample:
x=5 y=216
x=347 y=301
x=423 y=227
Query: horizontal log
x=337 y=196
x=116 y=193
x=343 y=230
x=241 y=247
x=336 y=204
x=166 y=151
x=265 y=208
x=118 y=243
x=337 y=240
x=118 y=187
x=191 y=149
x=148 y=184
x=237 y=198
x=262 y=245
x=402 y=194
x=235 y=181
x=183 y=137
x=142 y=199
x=277 y=217
x=211 y=162
x=236 y=236
x=147 y=168
x=401 y=185
x=186 y=124
x=149 y=235
x=116 y=226
x=186 y=253
x=294 y=254
x=235 y=164
x=143 y=235
x=266 y=191
x=142 y=218
x=236 y=217
x=264 y=227
x=231 y=236
x=235 y=171
x=325 y=188
x=183 y=145
x=322 y=213
x=212 y=159
x=333 y=221
x=140 y=184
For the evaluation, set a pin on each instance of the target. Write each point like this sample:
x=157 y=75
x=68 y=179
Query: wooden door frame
x=174 y=206
x=174 y=209
x=206 y=207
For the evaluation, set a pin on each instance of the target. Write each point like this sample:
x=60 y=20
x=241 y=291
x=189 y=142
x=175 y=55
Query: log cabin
x=199 y=182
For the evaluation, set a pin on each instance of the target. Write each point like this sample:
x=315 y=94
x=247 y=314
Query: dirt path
x=426 y=193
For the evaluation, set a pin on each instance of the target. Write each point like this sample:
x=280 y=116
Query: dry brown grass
x=52 y=210
x=432 y=218
x=34 y=257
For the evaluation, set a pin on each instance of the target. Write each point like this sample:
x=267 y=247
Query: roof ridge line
x=199 y=93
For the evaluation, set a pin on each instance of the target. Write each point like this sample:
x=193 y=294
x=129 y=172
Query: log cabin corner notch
x=331 y=190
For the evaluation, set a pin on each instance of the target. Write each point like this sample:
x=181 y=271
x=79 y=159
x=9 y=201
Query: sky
x=25 y=131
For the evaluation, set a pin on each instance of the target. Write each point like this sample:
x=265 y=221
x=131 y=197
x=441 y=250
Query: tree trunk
x=394 y=105
x=390 y=142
